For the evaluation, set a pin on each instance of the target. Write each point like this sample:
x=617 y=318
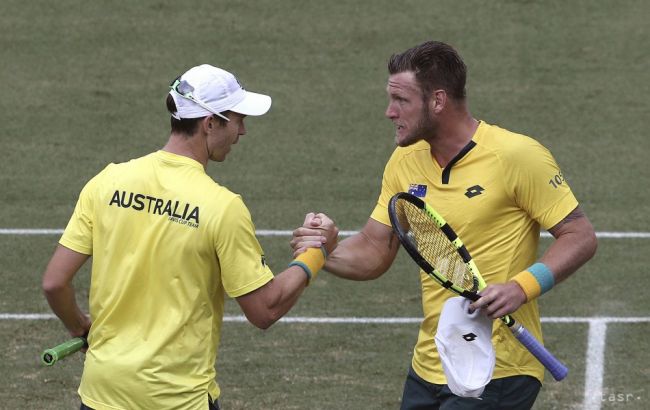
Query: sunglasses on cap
x=185 y=90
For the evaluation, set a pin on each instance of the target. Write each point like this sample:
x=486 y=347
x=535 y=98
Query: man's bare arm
x=58 y=289
x=575 y=243
x=363 y=256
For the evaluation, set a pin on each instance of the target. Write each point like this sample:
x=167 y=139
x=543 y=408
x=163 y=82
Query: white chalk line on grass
x=363 y=320
x=593 y=390
x=271 y=232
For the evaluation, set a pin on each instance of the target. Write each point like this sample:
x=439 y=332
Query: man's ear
x=207 y=123
x=438 y=101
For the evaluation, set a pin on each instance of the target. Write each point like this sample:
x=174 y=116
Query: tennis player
x=497 y=189
x=168 y=243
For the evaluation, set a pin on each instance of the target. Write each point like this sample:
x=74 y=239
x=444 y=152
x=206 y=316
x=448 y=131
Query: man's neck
x=452 y=136
x=190 y=147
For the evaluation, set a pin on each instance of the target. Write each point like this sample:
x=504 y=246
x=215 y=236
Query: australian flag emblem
x=418 y=190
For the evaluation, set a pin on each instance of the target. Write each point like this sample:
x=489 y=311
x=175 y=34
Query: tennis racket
x=436 y=248
x=53 y=355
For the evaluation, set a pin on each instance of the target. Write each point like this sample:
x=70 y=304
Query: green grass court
x=84 y=85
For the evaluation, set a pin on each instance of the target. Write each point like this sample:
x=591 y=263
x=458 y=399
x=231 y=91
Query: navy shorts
x=508 y=393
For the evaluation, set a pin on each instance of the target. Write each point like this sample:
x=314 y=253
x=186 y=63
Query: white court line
x=595 y=365
x=26 y=316
x=272 y=232
x=606 y=319
x=364 y=320
x=17 y=231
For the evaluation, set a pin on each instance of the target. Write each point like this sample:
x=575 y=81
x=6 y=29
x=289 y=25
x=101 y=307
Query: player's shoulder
x=506 y=144
x=127 y=166
x=211 y=191
x=172 y=171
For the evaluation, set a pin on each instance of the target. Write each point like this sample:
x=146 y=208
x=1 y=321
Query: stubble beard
x=426 y=129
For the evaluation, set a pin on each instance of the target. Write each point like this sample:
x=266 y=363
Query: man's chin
x=406 y=142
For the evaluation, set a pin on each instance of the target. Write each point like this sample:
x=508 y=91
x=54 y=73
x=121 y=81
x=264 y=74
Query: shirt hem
x=497 y=374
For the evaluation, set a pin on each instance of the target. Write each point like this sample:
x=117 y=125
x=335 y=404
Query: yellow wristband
x=536 y=280
x=311 y=261
x=529 y=284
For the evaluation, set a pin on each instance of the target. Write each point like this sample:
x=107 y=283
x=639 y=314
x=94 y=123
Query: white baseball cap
x=464 y=342
x=205 y=90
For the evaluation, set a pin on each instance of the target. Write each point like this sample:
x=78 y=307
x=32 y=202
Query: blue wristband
x=543 y=275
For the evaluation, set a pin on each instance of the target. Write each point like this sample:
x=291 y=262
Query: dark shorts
x=508 y=393
x=211 y=405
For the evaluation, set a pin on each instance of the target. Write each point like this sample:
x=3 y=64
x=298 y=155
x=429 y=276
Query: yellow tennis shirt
x=496 y=193
x=167 y=243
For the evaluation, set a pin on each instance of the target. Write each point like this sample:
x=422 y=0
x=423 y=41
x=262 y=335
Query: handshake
x=312 y=242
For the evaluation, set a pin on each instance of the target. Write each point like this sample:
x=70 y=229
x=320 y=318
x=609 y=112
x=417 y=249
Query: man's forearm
x=63 y=304
x=58 y=289
x=360 y=258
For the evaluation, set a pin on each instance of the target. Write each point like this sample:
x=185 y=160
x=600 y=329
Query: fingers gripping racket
x=53 y=355
x=436 y=248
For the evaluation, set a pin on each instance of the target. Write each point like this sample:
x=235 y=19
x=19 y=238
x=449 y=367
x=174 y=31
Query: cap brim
x=253 y=104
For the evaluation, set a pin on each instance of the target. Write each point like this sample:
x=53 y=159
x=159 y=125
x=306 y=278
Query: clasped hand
x=317 y=230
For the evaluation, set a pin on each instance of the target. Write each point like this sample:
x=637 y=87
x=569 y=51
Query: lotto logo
x=474 y=191
x=469 y=337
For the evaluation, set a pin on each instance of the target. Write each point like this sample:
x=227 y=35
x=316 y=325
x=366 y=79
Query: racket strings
x=434 y=246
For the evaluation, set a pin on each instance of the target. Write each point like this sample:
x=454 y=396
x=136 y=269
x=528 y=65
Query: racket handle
x=53 y=355
x=554 y=366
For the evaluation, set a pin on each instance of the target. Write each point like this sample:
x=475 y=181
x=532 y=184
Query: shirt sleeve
x=389 y=187
x=539 y=185
x=78 y=234
x=241 y=258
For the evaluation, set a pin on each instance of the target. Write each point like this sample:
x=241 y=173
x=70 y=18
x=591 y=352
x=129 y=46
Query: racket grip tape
x=552 y=364
x=53 y=355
